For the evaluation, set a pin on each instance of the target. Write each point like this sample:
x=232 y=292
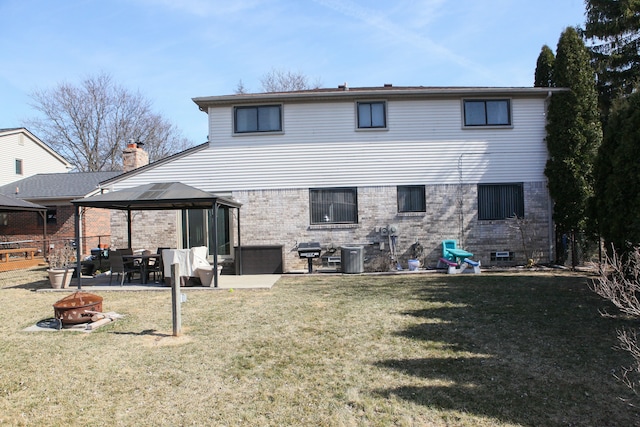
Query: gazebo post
x=215 y=244
x=78 y=249
x=129 y=227
x=43 y=214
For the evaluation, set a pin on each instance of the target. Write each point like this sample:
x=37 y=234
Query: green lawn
x=409 y=350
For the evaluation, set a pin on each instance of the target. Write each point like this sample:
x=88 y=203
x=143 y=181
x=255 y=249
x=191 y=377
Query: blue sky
x=173 y=50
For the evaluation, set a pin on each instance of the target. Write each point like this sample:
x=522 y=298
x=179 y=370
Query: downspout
x=460 y=203
x=239 y=260
x=551 y=227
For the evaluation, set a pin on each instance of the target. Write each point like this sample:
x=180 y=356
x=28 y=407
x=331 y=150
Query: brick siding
x=282 y=217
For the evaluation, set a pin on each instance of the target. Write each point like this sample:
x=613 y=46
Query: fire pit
x=76 y=307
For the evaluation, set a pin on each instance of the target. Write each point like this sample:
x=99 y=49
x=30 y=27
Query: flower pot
x=60 y=277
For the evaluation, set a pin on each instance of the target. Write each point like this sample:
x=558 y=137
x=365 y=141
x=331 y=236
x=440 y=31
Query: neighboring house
x=25 y=155
x=55 y=191
x=381 y=167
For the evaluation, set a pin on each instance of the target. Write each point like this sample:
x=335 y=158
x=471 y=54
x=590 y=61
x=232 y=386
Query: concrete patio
x=225 y=282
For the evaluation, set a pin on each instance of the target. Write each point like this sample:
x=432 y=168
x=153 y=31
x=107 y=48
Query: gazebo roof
x=10 y=204
x=156 y=196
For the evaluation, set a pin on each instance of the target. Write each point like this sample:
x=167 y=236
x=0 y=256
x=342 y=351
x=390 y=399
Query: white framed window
x=334 y=205
x=500 y=201
x=19 y=170
x=487 y=112
x=411 y=198
x=372 y=114
x=257 y=118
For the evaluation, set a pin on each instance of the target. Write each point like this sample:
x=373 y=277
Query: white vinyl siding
x=321 y=148
x=34 y=157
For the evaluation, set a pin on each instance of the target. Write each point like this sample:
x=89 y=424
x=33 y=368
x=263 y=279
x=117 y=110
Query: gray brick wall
x=281 y=217
x=149 y=229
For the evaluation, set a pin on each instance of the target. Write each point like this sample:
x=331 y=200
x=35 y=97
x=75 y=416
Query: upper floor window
x=258 y=118
x=500 y=201
x=490 y=112
x=372 y=115
x=334 y=205
x=411 y=198
x=18 y=166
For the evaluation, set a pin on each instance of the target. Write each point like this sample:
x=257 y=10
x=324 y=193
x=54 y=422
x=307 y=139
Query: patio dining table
x=143 y=260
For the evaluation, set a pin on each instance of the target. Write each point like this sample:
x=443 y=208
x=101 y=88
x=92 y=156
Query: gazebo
x=13 y=204
x=157 y=196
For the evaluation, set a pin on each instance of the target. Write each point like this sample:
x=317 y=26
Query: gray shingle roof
x=9 y=204
x=56 y=185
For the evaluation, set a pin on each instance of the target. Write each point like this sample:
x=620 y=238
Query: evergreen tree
x=614 y=29
x=544 y=68
x=573 y=134
x=618 y=171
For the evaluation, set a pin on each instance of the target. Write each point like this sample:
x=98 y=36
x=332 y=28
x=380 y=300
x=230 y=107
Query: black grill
x=309 y=250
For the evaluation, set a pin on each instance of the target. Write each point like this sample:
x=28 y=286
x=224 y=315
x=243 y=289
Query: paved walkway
x=101 y=283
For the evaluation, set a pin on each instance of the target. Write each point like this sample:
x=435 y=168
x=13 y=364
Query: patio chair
x=155 y=266
x=122 y=268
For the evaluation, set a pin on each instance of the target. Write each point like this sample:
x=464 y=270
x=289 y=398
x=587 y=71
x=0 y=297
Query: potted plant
x=60 y=260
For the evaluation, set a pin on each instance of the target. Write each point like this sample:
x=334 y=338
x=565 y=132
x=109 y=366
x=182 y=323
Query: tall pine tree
x=618 y=172
x=573 y=134
x=613 y=28
x=544 y=68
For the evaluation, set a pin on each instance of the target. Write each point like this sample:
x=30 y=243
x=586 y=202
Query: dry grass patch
x=488 y=350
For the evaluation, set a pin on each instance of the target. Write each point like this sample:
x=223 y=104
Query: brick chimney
x=134 y=156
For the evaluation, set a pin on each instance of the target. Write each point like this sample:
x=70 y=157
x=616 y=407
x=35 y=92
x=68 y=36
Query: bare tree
x=241 y=89
x=278 y=80
x=89 y=124
x=619 y=282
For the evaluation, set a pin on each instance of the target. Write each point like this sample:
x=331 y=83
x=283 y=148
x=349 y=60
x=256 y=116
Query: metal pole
x=78 y=249
x=215 y=241
x=175 y=299
x=44 y=230
x=129 y=227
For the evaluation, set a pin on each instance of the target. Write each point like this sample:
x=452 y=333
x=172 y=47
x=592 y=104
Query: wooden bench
x=26 y=253
x=16 y=259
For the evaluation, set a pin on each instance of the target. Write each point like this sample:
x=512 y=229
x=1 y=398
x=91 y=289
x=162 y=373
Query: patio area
x=225 y=282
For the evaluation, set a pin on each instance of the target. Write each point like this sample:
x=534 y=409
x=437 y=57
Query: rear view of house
x=391 y=169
